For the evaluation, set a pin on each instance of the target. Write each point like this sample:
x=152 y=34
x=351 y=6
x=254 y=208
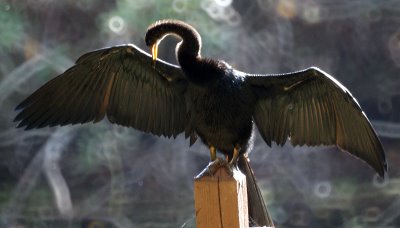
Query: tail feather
x=258 y=213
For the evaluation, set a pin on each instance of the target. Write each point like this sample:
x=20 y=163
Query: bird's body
x=205 y=98
x=221 y=113
x=219 y=108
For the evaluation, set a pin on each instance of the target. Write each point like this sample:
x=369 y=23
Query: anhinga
x=205 y=98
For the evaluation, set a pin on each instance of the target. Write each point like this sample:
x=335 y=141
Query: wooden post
x=221 y=200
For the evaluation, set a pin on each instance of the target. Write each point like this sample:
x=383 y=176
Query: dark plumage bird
x=205 y=98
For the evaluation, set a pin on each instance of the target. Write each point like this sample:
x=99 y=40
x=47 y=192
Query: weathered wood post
x=221 y=199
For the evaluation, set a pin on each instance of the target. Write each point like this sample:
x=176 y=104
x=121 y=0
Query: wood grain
x=221 y=200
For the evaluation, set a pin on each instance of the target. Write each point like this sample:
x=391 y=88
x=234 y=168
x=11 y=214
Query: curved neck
x=188 y=49
x=197 y=69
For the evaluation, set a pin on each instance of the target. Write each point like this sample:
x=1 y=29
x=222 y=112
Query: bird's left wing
x=312 y=108
x=119 y=82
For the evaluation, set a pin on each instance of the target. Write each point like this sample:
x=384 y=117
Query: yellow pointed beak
x=154 y=51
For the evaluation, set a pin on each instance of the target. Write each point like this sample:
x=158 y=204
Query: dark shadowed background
x=109 y=176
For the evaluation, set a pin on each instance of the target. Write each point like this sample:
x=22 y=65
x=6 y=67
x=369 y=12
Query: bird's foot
x=213 y=166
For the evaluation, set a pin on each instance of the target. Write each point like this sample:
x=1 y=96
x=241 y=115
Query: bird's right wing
x=312 y=108
x=121 y=82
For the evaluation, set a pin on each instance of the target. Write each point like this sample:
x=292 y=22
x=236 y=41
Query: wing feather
x=313 y=108
x=121 y=83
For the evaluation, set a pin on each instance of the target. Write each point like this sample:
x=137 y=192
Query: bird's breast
x=221 y=113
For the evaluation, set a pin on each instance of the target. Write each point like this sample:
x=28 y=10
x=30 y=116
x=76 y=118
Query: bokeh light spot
x=117 y=24
x=224 y=3
x=179 y=6
x=286 y=9
x=322 y=189
x=311 y=14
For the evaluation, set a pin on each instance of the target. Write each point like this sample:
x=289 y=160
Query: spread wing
x=121 y=82
x=312 y=108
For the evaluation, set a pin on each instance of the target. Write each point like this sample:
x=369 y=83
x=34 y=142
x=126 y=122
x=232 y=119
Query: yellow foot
x=235 y=156
x=213 y=153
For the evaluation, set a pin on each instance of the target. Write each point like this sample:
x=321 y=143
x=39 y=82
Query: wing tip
x=24 y=126
x=383 y=171
x=20 y=125
x=22 y=105
x=18 y=107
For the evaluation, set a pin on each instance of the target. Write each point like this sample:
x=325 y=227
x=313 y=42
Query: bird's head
x=153 y=39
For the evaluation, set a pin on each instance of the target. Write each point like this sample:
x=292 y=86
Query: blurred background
x=109 y=176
